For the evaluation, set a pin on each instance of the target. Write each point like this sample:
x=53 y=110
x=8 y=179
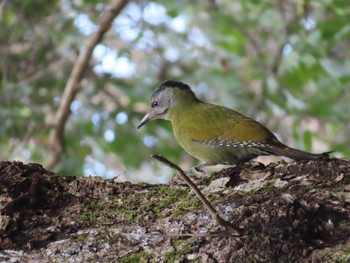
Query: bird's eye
x=154 y=104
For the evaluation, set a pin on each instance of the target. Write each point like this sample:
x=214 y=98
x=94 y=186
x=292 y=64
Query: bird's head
x=168 y=96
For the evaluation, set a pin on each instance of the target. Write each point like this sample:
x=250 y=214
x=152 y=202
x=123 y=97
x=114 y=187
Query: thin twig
x=73 y=85
x=272 y=70
x=199 y=194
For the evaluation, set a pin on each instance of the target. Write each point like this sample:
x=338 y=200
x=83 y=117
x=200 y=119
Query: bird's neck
x=182 y=108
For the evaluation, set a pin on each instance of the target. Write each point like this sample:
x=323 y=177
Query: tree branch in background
x=269 y=69
x=272 y=69
x=199 y=194
x=55 y=144
x=162 y=74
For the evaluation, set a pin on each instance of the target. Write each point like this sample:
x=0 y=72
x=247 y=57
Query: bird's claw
x=197 y=172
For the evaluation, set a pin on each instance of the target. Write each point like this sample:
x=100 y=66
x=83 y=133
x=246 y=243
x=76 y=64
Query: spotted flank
x=235 y=144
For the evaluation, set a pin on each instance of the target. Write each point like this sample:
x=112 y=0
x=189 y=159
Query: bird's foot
x=196 y=171
x=199 y=171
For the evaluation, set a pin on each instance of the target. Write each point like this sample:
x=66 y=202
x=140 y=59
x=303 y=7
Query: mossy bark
x=290 y=212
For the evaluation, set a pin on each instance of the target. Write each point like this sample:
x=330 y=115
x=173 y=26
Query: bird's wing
x=222 y=126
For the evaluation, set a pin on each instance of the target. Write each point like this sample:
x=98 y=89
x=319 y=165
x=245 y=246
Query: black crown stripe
x=172 y=84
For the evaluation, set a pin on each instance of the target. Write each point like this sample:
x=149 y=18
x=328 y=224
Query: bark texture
x=289 y=212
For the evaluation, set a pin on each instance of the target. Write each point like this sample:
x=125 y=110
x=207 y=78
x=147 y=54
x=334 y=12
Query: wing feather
x=222 y=125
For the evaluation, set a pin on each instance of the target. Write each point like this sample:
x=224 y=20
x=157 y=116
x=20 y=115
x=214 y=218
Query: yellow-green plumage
x=215 y=134
x=209 y=132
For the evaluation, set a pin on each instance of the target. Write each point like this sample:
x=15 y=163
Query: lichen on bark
x=290 y=212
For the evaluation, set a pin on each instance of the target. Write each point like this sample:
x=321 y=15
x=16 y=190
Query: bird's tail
x=281 y=149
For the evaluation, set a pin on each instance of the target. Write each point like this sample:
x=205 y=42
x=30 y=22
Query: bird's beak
x=149 y=116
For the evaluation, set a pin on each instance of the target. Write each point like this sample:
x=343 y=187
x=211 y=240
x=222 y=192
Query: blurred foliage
x=285 y=63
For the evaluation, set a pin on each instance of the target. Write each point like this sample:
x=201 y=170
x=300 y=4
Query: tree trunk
x=288 y=212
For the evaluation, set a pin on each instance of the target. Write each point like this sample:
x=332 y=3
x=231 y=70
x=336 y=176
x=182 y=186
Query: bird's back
x=217 y=134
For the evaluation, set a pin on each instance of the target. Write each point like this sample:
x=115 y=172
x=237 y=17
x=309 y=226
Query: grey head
x=163 y=98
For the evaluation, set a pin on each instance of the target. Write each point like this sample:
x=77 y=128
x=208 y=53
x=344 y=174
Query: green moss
x=138 y=257
x=269 y=189
x=128 y=216
x=168 y=197
x=170 y=257
x=176 y=213
x=88 y=217
x=131 y=208
x=181 y=248
x=95 y=204
x=81 y=238
x=185 y=205
x=253 y=192
x=177 y=242
x=160 y=191
x=273 y=165
x=129 y=200
x=338 y=254
x=276 y=176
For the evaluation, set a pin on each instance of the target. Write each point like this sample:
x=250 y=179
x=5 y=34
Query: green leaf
x=307 y=137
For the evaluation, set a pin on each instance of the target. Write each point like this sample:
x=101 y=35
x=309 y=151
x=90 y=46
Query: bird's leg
x=198 y=170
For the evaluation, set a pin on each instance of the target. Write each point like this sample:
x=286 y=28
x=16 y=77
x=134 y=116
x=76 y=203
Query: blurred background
x=284 y=63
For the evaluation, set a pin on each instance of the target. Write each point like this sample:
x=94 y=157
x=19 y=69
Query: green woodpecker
x=215 y=134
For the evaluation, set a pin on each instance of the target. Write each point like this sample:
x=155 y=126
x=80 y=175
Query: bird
x=215 y=134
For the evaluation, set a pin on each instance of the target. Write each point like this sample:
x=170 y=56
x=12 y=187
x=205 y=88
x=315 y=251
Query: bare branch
x=272 y=70
x=55 y=144
x=259 y=51
x=199 y=194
